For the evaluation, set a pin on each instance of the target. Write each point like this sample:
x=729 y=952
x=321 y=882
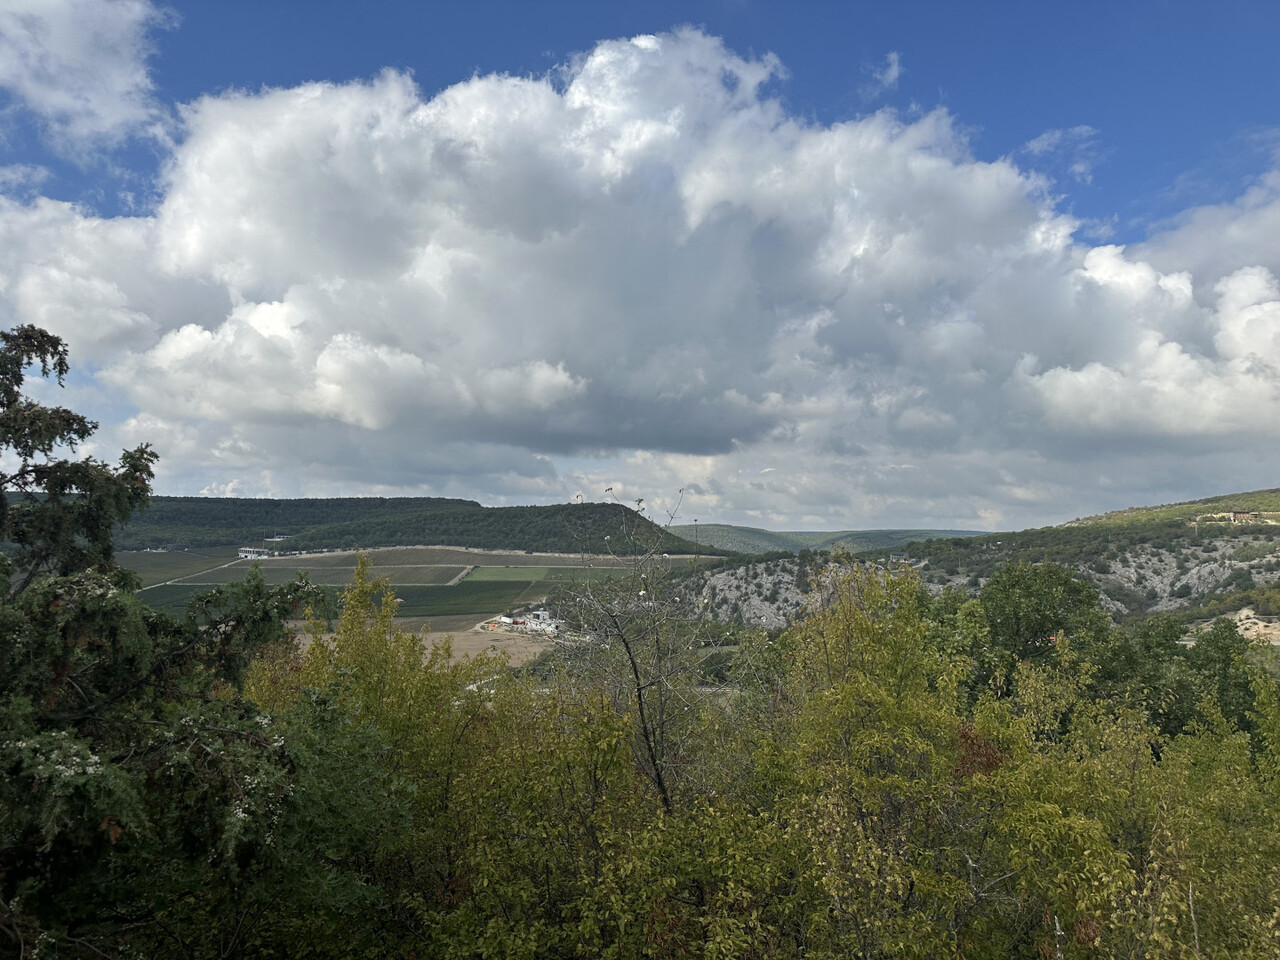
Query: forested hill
x=345 y=523
x=1217 y=554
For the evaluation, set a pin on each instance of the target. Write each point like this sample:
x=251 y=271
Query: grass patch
x=1253 y=551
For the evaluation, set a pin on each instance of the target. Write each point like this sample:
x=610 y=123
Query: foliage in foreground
x=1005 y=776
x=893 y=777
x=140 y=795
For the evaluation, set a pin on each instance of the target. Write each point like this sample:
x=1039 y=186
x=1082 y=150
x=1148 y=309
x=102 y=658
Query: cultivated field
x=540 y=574
x=438 y=584
x=162 y=566
x=400 y=574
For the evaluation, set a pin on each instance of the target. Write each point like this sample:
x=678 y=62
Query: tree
x=425 y=721
x=57 y=514
x=1029 y=605
x=138 y=790
x=638 y=641
x=1219 y=654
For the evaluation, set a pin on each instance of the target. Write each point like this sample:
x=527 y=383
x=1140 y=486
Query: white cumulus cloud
x=642 y=271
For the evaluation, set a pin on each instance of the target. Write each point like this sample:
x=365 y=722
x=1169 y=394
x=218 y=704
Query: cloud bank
x=641 y=272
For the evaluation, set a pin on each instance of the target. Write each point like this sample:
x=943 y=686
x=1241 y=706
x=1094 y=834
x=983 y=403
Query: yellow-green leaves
x=882 y=782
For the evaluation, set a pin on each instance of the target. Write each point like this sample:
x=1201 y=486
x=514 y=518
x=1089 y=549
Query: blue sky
x=820 y=266
x=1180 y=95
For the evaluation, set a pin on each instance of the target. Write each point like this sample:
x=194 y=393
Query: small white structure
x=254 y=553
x=539 y=621
x=536 y=621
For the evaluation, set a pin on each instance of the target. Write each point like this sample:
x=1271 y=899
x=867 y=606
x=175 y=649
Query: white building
x=539 y=621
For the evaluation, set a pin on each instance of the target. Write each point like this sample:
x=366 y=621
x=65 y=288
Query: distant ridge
x=1196 y=557
x=1254 y=501
x=753 y=540
x=356 y=522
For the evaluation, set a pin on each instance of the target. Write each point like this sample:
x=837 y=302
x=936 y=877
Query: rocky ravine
x=1138 y=579
x=1155 y=579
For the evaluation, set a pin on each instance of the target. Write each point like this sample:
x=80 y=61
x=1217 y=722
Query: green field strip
x=172 y=598
x=160 y=567
x=478 y=598
x=497 y=574
x=540 y=574
x=584 y=574
x=329 y=576
x=327 y=561
x=424 y=574
x=167 y=599
x=434 y=556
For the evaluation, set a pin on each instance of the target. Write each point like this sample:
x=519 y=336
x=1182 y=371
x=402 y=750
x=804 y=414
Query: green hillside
x=365 y=522
x=1210 y=555
x=1259 y=501
x=751 y=540
x=1215 y=554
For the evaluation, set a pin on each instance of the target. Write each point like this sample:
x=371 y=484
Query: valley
x=1194 y=560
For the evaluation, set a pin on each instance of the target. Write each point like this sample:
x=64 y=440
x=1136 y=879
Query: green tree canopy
x=137 y=789
x=1030 y=605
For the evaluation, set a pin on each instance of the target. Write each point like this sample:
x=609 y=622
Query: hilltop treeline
x=347 y=523
x=233 y=521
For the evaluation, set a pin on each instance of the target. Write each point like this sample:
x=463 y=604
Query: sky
x=797 y=266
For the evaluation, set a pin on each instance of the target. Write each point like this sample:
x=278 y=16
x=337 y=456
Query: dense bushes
x=1001 y=776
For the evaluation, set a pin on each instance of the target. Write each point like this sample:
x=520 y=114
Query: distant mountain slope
x=1197 y=559
x=1208 y=509
x=344 y=523
x=752 y=540
x=1194 y=555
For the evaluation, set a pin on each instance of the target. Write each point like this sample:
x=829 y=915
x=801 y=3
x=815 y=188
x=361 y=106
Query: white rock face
x=1144 y=578
x=760 y=594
